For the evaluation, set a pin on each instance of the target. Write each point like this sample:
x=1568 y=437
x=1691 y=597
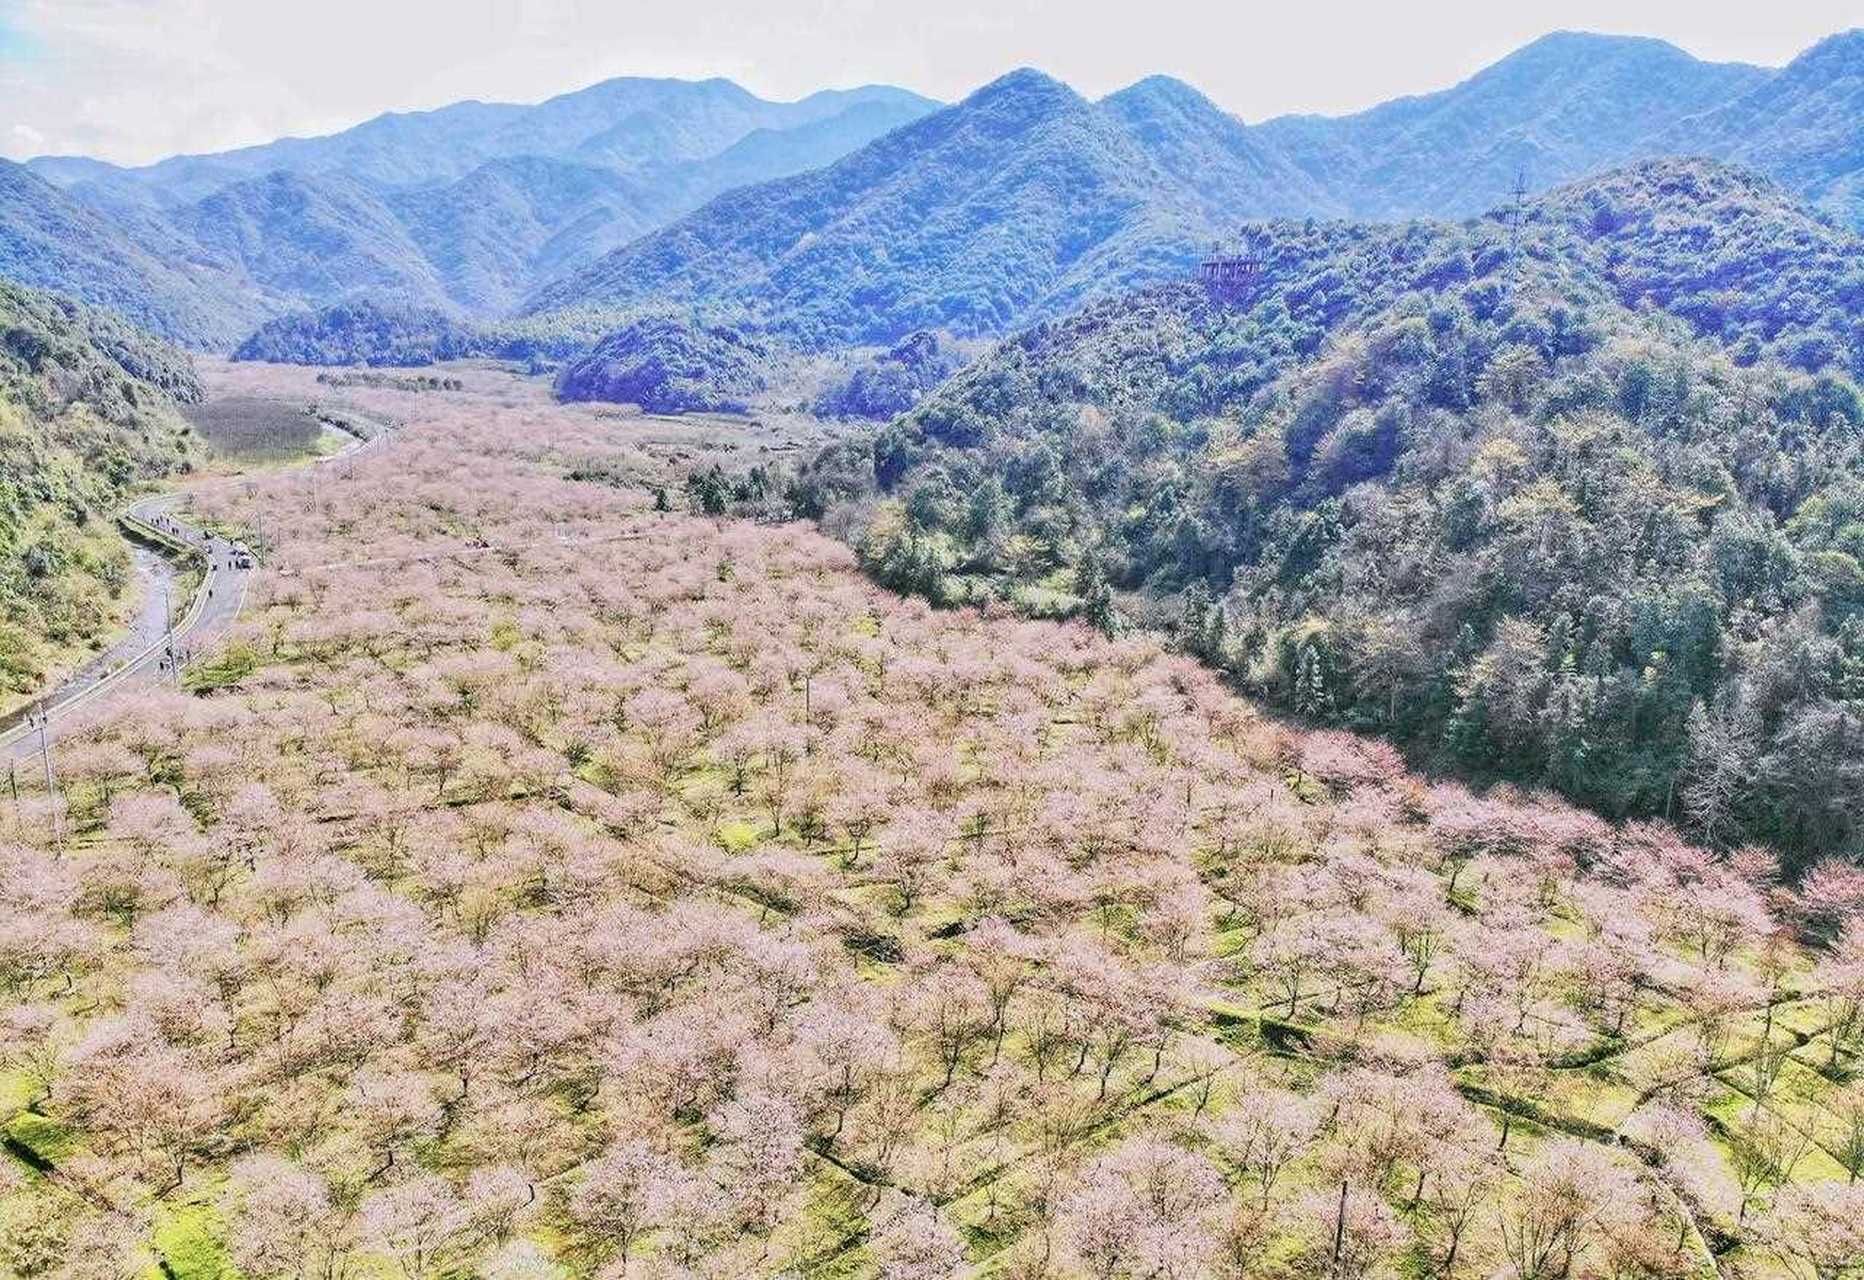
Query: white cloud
x=132 y=80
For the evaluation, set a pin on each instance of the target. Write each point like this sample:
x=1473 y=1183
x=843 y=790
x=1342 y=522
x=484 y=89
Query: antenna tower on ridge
x=1232 y=272
x=1517 y=212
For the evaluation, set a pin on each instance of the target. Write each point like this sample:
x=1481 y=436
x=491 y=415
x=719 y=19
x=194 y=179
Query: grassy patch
x=256 y=429
x=191 y=1239
x=737 y=835
x=232 y=664
x=45 y=1140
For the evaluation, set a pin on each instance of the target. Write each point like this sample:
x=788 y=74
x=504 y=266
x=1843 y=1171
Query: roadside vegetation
x=88 y=409
x=557 y=886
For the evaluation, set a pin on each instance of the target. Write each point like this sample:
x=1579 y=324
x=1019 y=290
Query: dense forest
x=893 y=381
x=672 y=364
x=87 y=408
x=396 y=333
x=1572 y=494
x=362 y=332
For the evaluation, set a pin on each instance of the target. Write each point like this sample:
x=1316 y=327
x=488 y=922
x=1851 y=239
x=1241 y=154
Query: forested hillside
x=1590 y=514
x=497 y=231
x=86 y=409
x=396 y=332
x=362 y=332
x=1804 y=127
x=1023 y=198
x=313 y=238
x=134 y=263
x=1567 y=105
x=894 y=380
x=671 y=364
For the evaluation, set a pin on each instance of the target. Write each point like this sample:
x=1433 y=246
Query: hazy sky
x=134 y=80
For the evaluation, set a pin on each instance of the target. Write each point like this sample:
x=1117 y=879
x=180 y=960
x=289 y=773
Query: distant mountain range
x=1025 y=198
x=636 y=126
x=1013 y=201
x=469 y=207
x=134 y=263
x=866 y=215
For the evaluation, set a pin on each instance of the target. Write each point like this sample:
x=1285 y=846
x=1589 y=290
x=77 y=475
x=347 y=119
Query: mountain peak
x=1560 y=53
x=1160 y=84
x=862 y=94
x=1161 y=106
x=1165 y=91
x=1024 y=83
x=1570 y=39
x=652 y=84
x=1836 y=54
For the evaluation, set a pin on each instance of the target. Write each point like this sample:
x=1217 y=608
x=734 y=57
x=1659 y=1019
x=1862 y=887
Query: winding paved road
x=144 y=657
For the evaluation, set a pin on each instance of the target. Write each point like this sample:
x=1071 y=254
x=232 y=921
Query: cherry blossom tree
x=1264 y=1131
x=622 y=1195
x=417 y=1223
x=283 y=1222
x=913 y=1242
x=759 y=1153
x=1817 y=1230
x=1554 y=1217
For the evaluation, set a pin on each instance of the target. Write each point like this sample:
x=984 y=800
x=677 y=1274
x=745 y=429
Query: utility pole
x=51 y=787
x=1339 y=1232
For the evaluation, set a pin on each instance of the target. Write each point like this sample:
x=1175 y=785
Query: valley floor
x=539 y=884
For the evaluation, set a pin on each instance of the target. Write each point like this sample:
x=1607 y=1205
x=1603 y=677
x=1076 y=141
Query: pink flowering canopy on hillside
x=538 y=885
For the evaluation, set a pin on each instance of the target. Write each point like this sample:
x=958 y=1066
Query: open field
x=545 y=885
x=245 y=433
x=252 y=428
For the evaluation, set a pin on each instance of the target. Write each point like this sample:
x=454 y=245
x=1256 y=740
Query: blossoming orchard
x=539 y=884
